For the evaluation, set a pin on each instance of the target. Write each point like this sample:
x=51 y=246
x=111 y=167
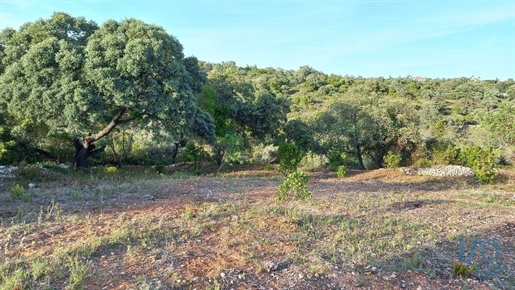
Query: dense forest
x=124 y=93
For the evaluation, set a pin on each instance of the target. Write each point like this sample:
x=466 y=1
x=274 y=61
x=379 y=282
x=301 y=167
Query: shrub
x=392 y=160
x=342 y=171
x=444 y=153
x=289 y=156
x=295 y=186
x=30 y=173
x=195 y=153
x=463 y=270
x=423 y=162
x=482 y=161
x=18 y=192
x=335 y=159
x=160 y=169
x=111 y=169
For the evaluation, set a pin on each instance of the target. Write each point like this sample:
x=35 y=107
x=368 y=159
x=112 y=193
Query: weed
x=78 y=273
x=38 y=268
x=189 y=215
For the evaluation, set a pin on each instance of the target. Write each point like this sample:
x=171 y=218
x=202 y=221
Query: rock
x=148 y=196
x=271 y=266
x=32 y=185
x=7 y=171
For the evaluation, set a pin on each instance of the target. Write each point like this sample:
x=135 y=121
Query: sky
x=368 y=38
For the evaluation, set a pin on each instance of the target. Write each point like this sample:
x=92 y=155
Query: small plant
x=463 y=270
x=423 y=162
x=392 y=160
x=295 y=186
x=78 y=273
x=268 y=167
x=160 y=169
x=198 y=171
x=335 y=159
x=18 y=192
x=111 y=169
x=289 y=156
x=342 y=171
x=189 y=215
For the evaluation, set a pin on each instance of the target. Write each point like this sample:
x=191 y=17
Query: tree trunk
x=84 y=151
x=359 y=155
x=175 y=151
x=87 y=148
x=220 y=153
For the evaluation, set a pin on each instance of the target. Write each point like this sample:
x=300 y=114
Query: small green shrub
x=160 y=169
x=111 y=169
x=336 y=159
x=392 y=160
x=482 y=161
x=17 y=191
x=463 y=270
x=294 y=187
x=31 y=173
x=443 y=153
x=195 y=153
x=342 y=171
x=423 y=162
x=289 y=156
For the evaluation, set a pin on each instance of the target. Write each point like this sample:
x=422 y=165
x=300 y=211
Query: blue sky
x=432 y=38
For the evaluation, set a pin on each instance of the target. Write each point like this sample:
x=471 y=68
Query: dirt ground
x=178 y=231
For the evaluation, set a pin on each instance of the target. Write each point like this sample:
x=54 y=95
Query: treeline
x=124 y=93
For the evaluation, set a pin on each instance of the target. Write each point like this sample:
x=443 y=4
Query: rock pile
x=441 y=170
x=7 y=171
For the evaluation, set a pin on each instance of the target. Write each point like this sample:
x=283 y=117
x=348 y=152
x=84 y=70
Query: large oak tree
x=69 y=75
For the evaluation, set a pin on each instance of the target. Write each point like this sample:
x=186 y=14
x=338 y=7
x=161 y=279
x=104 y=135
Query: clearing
x=136 y=229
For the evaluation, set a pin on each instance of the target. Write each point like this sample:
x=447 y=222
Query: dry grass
x=135 y=229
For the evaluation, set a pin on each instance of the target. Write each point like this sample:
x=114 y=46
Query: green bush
x=294 y=187
x=335 y=159
x=463 y=270
x=392 y=160
x=342 y=171
x=18 y=192
x=444 y=153
x=289 y=156
x=195 y=153
x=160 y=169
x=482 y=161
x=423 y=162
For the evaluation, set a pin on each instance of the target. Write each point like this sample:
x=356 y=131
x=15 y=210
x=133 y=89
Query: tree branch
x=114 y=122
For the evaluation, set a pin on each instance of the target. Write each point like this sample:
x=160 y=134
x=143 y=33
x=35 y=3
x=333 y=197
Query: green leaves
x=289 y=156
x=73 y=76
x=294 y=187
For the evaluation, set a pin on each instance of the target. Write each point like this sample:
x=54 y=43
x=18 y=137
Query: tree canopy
x=67 y=74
